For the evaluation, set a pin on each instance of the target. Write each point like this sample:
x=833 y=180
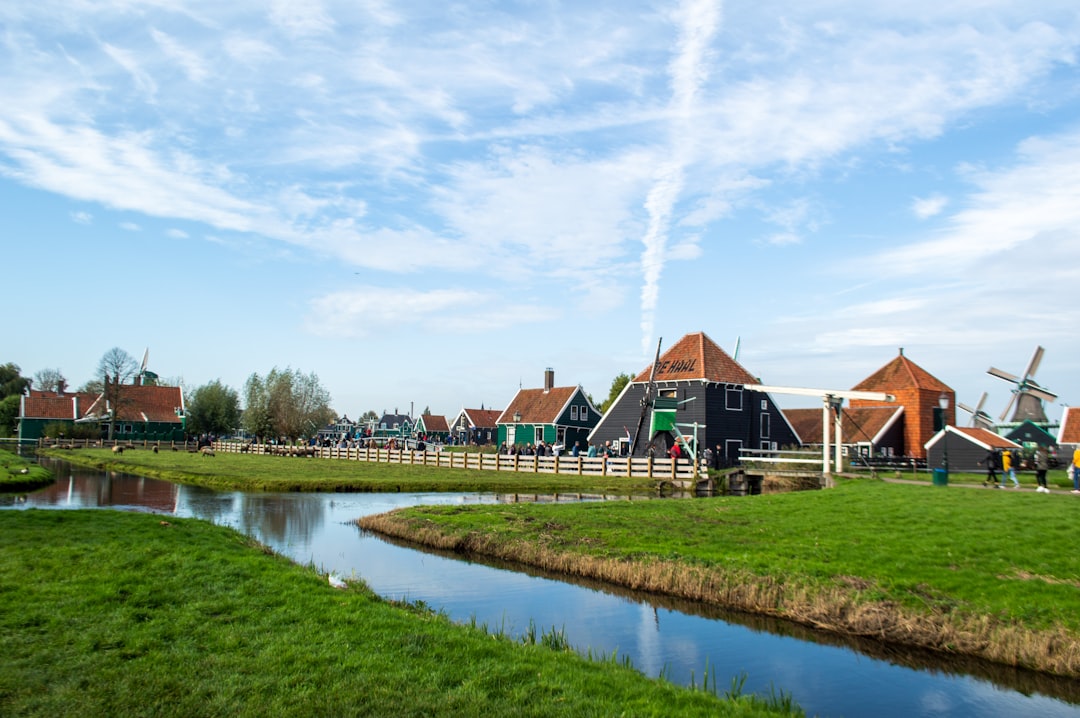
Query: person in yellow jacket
x=1008 y=469
x=1076 y=470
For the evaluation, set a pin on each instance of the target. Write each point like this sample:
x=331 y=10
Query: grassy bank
x=106 y=613
x=279 y=473
x=976 y=572
x=18 y=474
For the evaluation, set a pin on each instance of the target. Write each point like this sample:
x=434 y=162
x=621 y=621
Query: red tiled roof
x=858 y=424
x=50 y=405
x=435 y=422
x=1070 y=426
x=900 y=373
x=985 y=436
x=483 y=418
x=696 y=356
x=139 y=403
x=538 y=406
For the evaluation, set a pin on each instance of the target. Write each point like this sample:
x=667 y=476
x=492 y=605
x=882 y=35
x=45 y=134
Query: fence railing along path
x=653 y=468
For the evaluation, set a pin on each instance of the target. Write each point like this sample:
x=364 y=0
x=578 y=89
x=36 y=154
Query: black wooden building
x=965 y=448
x=711 y=403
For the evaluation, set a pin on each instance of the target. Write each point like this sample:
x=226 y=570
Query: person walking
x=991 y=462
x=1075 y=468
x=1042 y=463
x=1008 y=470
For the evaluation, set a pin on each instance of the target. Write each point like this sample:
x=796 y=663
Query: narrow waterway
x=827 y=676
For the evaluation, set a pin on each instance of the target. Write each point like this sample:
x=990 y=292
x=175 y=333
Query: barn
x=965 y=448
x=700 y=392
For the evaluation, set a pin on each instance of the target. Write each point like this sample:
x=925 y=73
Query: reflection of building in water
x=146 y=493
x=82 y=489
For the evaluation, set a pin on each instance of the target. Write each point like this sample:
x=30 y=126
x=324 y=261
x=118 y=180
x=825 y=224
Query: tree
x=50 y=380
x=12 y=386
x=286 y=404
x=213 y=409
x=115 y=369
x=12 y=383
x=617 y=385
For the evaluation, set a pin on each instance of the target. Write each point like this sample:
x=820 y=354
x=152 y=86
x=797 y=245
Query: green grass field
x=961 y=564
x=18 y=474
x=123 y=614
x=279 y=473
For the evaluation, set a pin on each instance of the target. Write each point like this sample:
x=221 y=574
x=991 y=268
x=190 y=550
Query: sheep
x=118 y=449
x=206 y=451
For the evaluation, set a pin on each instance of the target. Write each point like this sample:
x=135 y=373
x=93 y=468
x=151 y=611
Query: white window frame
x=573 y=412
x=730 y=392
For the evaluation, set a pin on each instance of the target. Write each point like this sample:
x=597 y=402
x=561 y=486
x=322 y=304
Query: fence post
x=556 y=463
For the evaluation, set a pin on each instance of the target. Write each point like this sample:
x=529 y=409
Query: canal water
x=826 y=675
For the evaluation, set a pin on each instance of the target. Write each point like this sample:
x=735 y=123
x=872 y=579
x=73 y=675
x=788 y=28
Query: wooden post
x=579 y=466
x=556 y=463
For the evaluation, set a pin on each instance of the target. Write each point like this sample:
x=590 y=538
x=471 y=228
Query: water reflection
x=826 y=674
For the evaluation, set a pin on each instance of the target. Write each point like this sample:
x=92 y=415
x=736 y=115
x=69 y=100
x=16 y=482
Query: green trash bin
x=941 y=477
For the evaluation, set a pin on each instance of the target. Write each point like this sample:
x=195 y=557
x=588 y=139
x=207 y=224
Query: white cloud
x=177 y=233
x=301 y=19
x=927 y=207
x=193 y=65
x=82 y=217
x=130 y=62
x=130 y=227
x=1015 y=208
x=365 y=311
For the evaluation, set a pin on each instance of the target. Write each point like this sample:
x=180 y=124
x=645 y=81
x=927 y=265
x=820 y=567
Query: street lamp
x=943 y=403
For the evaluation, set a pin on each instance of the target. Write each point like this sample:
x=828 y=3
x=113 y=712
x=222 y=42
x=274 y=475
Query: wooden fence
x=680 y=472
x=673 y=470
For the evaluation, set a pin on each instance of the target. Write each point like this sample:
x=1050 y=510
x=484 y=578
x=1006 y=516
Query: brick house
x=918 y=392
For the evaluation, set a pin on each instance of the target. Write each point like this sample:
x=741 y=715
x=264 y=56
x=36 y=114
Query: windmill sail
x=647 y=399
x=1028 y=396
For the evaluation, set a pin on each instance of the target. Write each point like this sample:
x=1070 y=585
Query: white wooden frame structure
x=831 y=401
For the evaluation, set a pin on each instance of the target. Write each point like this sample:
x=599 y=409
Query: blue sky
x=427 y=204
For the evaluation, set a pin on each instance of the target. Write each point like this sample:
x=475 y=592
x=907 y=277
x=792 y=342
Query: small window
x=764 y=426
x=573 y=412
x=584 y=413
x=764 y=405
x=733 y=397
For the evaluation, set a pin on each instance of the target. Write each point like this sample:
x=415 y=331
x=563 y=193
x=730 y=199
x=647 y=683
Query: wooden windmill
x=979 y=418
x=1028 y=397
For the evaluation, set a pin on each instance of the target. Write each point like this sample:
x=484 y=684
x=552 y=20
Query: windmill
x=979 y=418
x=144 y=376
x=647 y=398
x=1028 y=396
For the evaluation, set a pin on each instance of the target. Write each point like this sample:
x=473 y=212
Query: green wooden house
x=432 y=428
x=143 y=413
x=560 y=416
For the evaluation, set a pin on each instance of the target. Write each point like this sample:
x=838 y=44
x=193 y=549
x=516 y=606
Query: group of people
x=1008 y=461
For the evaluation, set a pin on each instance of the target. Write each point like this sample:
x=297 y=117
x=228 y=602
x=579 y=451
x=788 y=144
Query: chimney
x=549 y=379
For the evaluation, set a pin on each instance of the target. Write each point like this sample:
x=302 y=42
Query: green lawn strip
x=18 y=474
x=988 y=566
x=280 y=473
x=106 y=613
x=1055 y=478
